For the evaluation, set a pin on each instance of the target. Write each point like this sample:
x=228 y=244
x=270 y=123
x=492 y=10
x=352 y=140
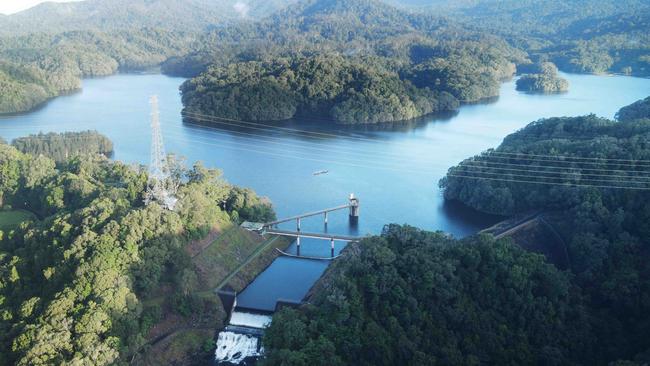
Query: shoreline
x=156 y=70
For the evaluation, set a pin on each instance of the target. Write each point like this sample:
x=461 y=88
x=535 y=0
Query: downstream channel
x=393 y=170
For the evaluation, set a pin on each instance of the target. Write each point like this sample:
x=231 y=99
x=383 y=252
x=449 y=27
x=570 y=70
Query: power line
x=556 y=178
x=450 y=174
x=270 y=127
x=264 y=125
x=272 y=153
x=552 y=167
x=376 y=154
x=618 y=161
x=264 y=138
x=566 y=157
x=424 y=172
x=547 y=172
x=418 y=171
x=420 y=158
x=527 y=168
x=548 y=183
x=217 y=119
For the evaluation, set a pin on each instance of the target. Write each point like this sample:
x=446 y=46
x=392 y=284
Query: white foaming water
x=234 y=347
x=250 y=320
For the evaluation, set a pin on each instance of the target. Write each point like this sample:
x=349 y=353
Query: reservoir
x=394 y=170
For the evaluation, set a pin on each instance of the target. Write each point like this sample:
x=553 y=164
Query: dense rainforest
x=345 y=61
x=637 y=110
x=36 y=67
x=362 y=90
x=108 y=16
x=411 y=297
x=63 y=146
x=412 y=46
x=74 y=281
x=45 y=51
x=594 y=172
x=584 y=36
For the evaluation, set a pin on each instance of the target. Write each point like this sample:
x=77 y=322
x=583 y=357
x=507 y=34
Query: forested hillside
x=412 y=297
x=594 y=173
x=637 y=110
x=362 y=90
x=74 y=284
x=46 y=51
x=592 y=36
x=36 y=67
x=571 y=153
x=542 y=78
x=109 y=16
x=22 y=87
x=346 y=61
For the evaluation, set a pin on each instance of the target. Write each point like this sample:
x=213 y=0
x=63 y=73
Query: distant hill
x=185 y=15
x=584 y=36
x=520 y=11
x=46 y=50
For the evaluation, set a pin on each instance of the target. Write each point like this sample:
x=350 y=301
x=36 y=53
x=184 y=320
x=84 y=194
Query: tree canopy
x=412 y=297
x=332 y=87
x=463 y=48
x=599 y=193
x=346 y=61
x=73 y=284
x=635 y=111
x=584 y=36
x=544 y=80
x=63 y=146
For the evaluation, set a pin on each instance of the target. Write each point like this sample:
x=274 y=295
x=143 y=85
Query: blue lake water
x=394 y=171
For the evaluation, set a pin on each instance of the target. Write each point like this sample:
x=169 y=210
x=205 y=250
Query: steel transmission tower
x=159 y=188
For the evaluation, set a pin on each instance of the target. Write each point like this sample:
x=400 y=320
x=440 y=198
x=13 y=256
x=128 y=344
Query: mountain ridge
x=184 y=15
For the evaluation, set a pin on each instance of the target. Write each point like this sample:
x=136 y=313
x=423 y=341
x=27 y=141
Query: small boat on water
x=321 y=172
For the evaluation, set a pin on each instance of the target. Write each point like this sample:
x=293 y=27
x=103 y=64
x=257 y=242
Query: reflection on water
x=393 y=168
x=458 y=211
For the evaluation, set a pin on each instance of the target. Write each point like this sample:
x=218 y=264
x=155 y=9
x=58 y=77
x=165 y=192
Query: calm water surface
x=394 y=171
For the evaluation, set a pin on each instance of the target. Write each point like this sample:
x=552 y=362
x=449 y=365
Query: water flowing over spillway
x=235 y=348
x=242 y=338
x=257 y=321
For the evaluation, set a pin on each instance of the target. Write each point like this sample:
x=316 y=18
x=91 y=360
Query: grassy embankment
x=10 y=219
x=536 y=233
x=229 y=256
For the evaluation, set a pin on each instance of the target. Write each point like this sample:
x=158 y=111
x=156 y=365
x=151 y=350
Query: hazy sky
x=13 y=6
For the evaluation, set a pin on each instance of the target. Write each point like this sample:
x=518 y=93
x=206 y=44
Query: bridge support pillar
x=298 y=245
x=298 y=224
x=354 y=209
x=325 y=218
x=332 y=246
